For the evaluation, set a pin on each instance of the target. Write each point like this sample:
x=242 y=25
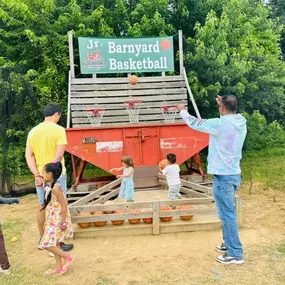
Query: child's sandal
x=53 y=271
x=66 y=266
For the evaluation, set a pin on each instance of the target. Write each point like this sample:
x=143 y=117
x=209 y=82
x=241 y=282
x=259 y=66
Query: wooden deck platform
x=205 y=219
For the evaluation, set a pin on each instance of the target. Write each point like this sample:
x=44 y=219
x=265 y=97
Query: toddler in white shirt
x=172 y=172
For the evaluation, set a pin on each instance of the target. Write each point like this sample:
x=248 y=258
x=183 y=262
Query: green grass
x=266 y=167
x=94 y=171
x=104 y=281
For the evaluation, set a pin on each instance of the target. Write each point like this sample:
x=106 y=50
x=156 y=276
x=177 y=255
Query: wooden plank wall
x=110 y=94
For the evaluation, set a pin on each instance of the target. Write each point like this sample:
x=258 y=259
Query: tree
x=278 y=12
x=238 y=52
x=16 y=101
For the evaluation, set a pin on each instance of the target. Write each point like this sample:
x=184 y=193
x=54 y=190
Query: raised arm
x=116 y=169
x=210 y=126
x=130 y=173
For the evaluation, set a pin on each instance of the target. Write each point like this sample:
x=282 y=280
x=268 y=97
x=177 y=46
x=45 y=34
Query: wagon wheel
x=140 y=137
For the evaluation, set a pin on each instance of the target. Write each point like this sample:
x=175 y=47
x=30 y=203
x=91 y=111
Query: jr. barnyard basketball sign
x=125 y=55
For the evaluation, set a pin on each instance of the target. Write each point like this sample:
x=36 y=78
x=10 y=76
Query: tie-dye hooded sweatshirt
x=227 y=135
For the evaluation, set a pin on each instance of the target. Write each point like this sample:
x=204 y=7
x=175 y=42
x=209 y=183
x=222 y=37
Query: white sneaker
x=51 y=254
x=4 y=271
x=40 y=247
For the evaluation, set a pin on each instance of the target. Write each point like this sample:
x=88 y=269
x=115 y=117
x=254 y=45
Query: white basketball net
x=95 y=116
x=169 y=113
x=133 y=108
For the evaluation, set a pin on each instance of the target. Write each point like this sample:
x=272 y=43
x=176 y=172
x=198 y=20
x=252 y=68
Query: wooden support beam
x=155 y=217
x=106 y=197
x=73 y=208
x=71 y=56
x=181 y=60
x=193 y=192
x=155 y=214
x=175 y=213
x=92 y=195
x=189 y=184
x=186 y=190
x=111 y=217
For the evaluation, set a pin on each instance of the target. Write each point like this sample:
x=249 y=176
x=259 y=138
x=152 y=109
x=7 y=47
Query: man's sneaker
x=66 y=247
x=4 y=271
x=225 y=259
x=221 y=248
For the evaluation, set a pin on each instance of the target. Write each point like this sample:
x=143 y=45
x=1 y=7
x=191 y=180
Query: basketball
x=133 y=79
x=163 y=163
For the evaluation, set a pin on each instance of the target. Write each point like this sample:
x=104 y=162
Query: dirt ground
x=183 y=258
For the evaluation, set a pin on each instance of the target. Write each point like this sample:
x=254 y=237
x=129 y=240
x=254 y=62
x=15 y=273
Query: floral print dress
x=52 y=232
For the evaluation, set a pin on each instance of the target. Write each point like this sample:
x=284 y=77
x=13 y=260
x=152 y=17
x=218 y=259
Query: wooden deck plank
x=126 y=86
x=126 y=80
x=161 y=98
x=133 y=93
x=120 y=106
x=198 y=223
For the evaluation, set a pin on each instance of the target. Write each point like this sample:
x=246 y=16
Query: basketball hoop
x=95 y=116
x=133 y=108
x=169 y=113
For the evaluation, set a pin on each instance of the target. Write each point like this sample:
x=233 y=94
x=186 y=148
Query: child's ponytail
x=56 y=169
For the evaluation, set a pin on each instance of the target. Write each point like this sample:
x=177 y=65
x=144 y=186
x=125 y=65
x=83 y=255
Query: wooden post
x=155 y=218
x=191 y=94
x=71 y=57
x=239 y=210
x=68 y=100
x=181 y=63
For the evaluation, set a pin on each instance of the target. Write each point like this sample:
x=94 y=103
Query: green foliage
x=232 y=47
x=261 y=135
x=278 y=12
x=237 y=51
x=265 y=167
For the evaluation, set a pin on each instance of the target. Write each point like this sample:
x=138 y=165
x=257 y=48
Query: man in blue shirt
x=227 y=135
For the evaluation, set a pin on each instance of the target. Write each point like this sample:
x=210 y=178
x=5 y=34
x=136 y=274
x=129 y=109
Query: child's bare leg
x=41 y=222
x=58 y=251
x=58 y=262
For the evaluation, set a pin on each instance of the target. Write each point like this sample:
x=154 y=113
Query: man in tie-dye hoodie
x=227 y=135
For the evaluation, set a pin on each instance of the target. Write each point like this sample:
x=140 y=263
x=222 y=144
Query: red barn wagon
x=111 y=118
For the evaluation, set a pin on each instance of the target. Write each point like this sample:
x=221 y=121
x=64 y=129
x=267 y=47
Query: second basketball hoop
x=169 y=113
x=133 y=108
x=95 y=116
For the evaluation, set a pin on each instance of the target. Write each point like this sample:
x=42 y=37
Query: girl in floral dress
x=127 y=189
x=57 y=219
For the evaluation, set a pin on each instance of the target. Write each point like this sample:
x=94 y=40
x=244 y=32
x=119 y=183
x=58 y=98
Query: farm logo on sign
x=94 y=61
x=126 y=55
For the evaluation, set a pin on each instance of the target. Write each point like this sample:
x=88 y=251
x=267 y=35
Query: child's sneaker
x=51 y=254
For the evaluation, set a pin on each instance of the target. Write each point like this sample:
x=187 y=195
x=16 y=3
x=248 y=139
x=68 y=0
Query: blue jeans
x=41 y=190
x=224 y=189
